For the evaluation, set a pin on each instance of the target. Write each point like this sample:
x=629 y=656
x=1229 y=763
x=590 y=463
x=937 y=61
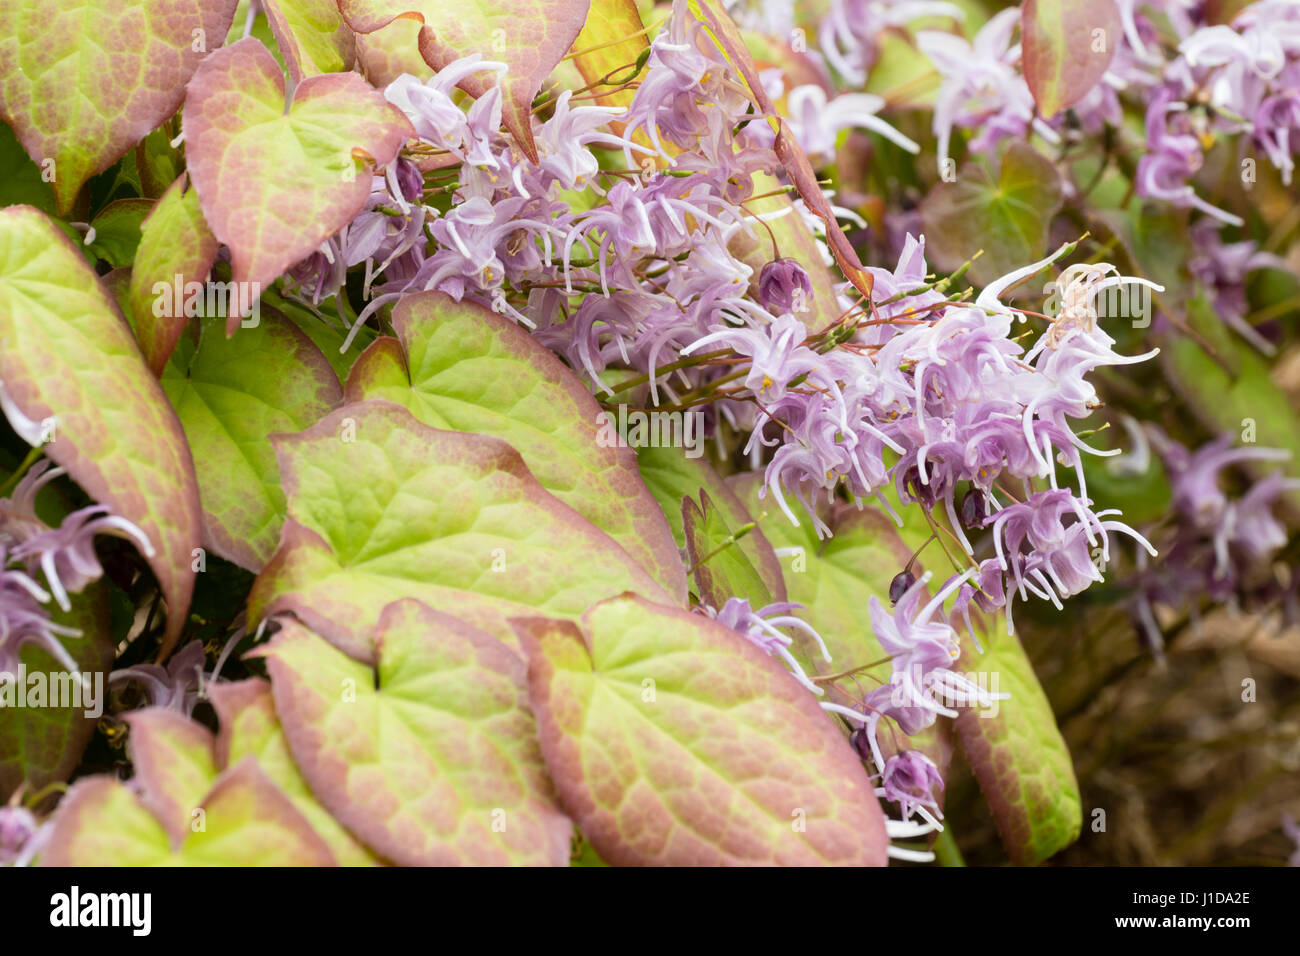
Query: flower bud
x=974 y=509
x=410 y=180
x=898 y=587
x=784 y=286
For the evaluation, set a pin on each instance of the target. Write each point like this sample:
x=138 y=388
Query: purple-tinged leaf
x=672 y=740
x=382 y=507
x=246 y=821
x=174 y=765
x=79 y=94
x=1067 y=46
x=274 y=184
x=68 y=359
x=462 y=367
x=249 y=726
x=176 y=248
x=431 y=762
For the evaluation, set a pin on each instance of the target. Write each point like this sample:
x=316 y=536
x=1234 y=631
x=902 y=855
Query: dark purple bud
x=898 y=587
x=410 y=180
x=784 y=286
x=974 y=509
x=861 y=743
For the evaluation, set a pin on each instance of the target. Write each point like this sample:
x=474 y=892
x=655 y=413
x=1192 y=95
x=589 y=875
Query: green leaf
x=431 y=759
x=117 y=231
x=68 y=359
x=1007 y=218
x=673 y=740
x=382 y=507
x=21 y=182
x=82 y=104
x=240 y=140
x=671 y=477
x=1068 y=44
x=246 y=822
x=530 y=36
x=721 y=569
x=311 y=35
x=463 y=367
x=176 y=248
x=42 y=745
x=231 y=397
x=1017 y=751
x=249 y=726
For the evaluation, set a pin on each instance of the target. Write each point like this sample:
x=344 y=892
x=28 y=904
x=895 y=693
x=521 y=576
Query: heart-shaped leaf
x=1007 y=218
x=176 y=248
x=241 y=142
x=530 y=36
x=67 y=358
x=463 y=367
x=673 y=740
x=434 y=761
x=1067 y=46
x=382 y=507
x=80 y=102
x=245 y=821
x=233 y=395
x=249 y=726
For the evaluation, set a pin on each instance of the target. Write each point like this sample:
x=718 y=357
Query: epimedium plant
x=315 y=317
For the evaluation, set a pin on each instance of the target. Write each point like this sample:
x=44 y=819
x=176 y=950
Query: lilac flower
x=1222 y=269
x=440 y=121
x=909 y=780
x=852 y=28
x=777 y=353
x=1173 y=156
x=23 y=620
x=66 y=554
x=816 y=122
x=760 y=628
x=22 y=836
x=176 y=687
x=981 y=88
